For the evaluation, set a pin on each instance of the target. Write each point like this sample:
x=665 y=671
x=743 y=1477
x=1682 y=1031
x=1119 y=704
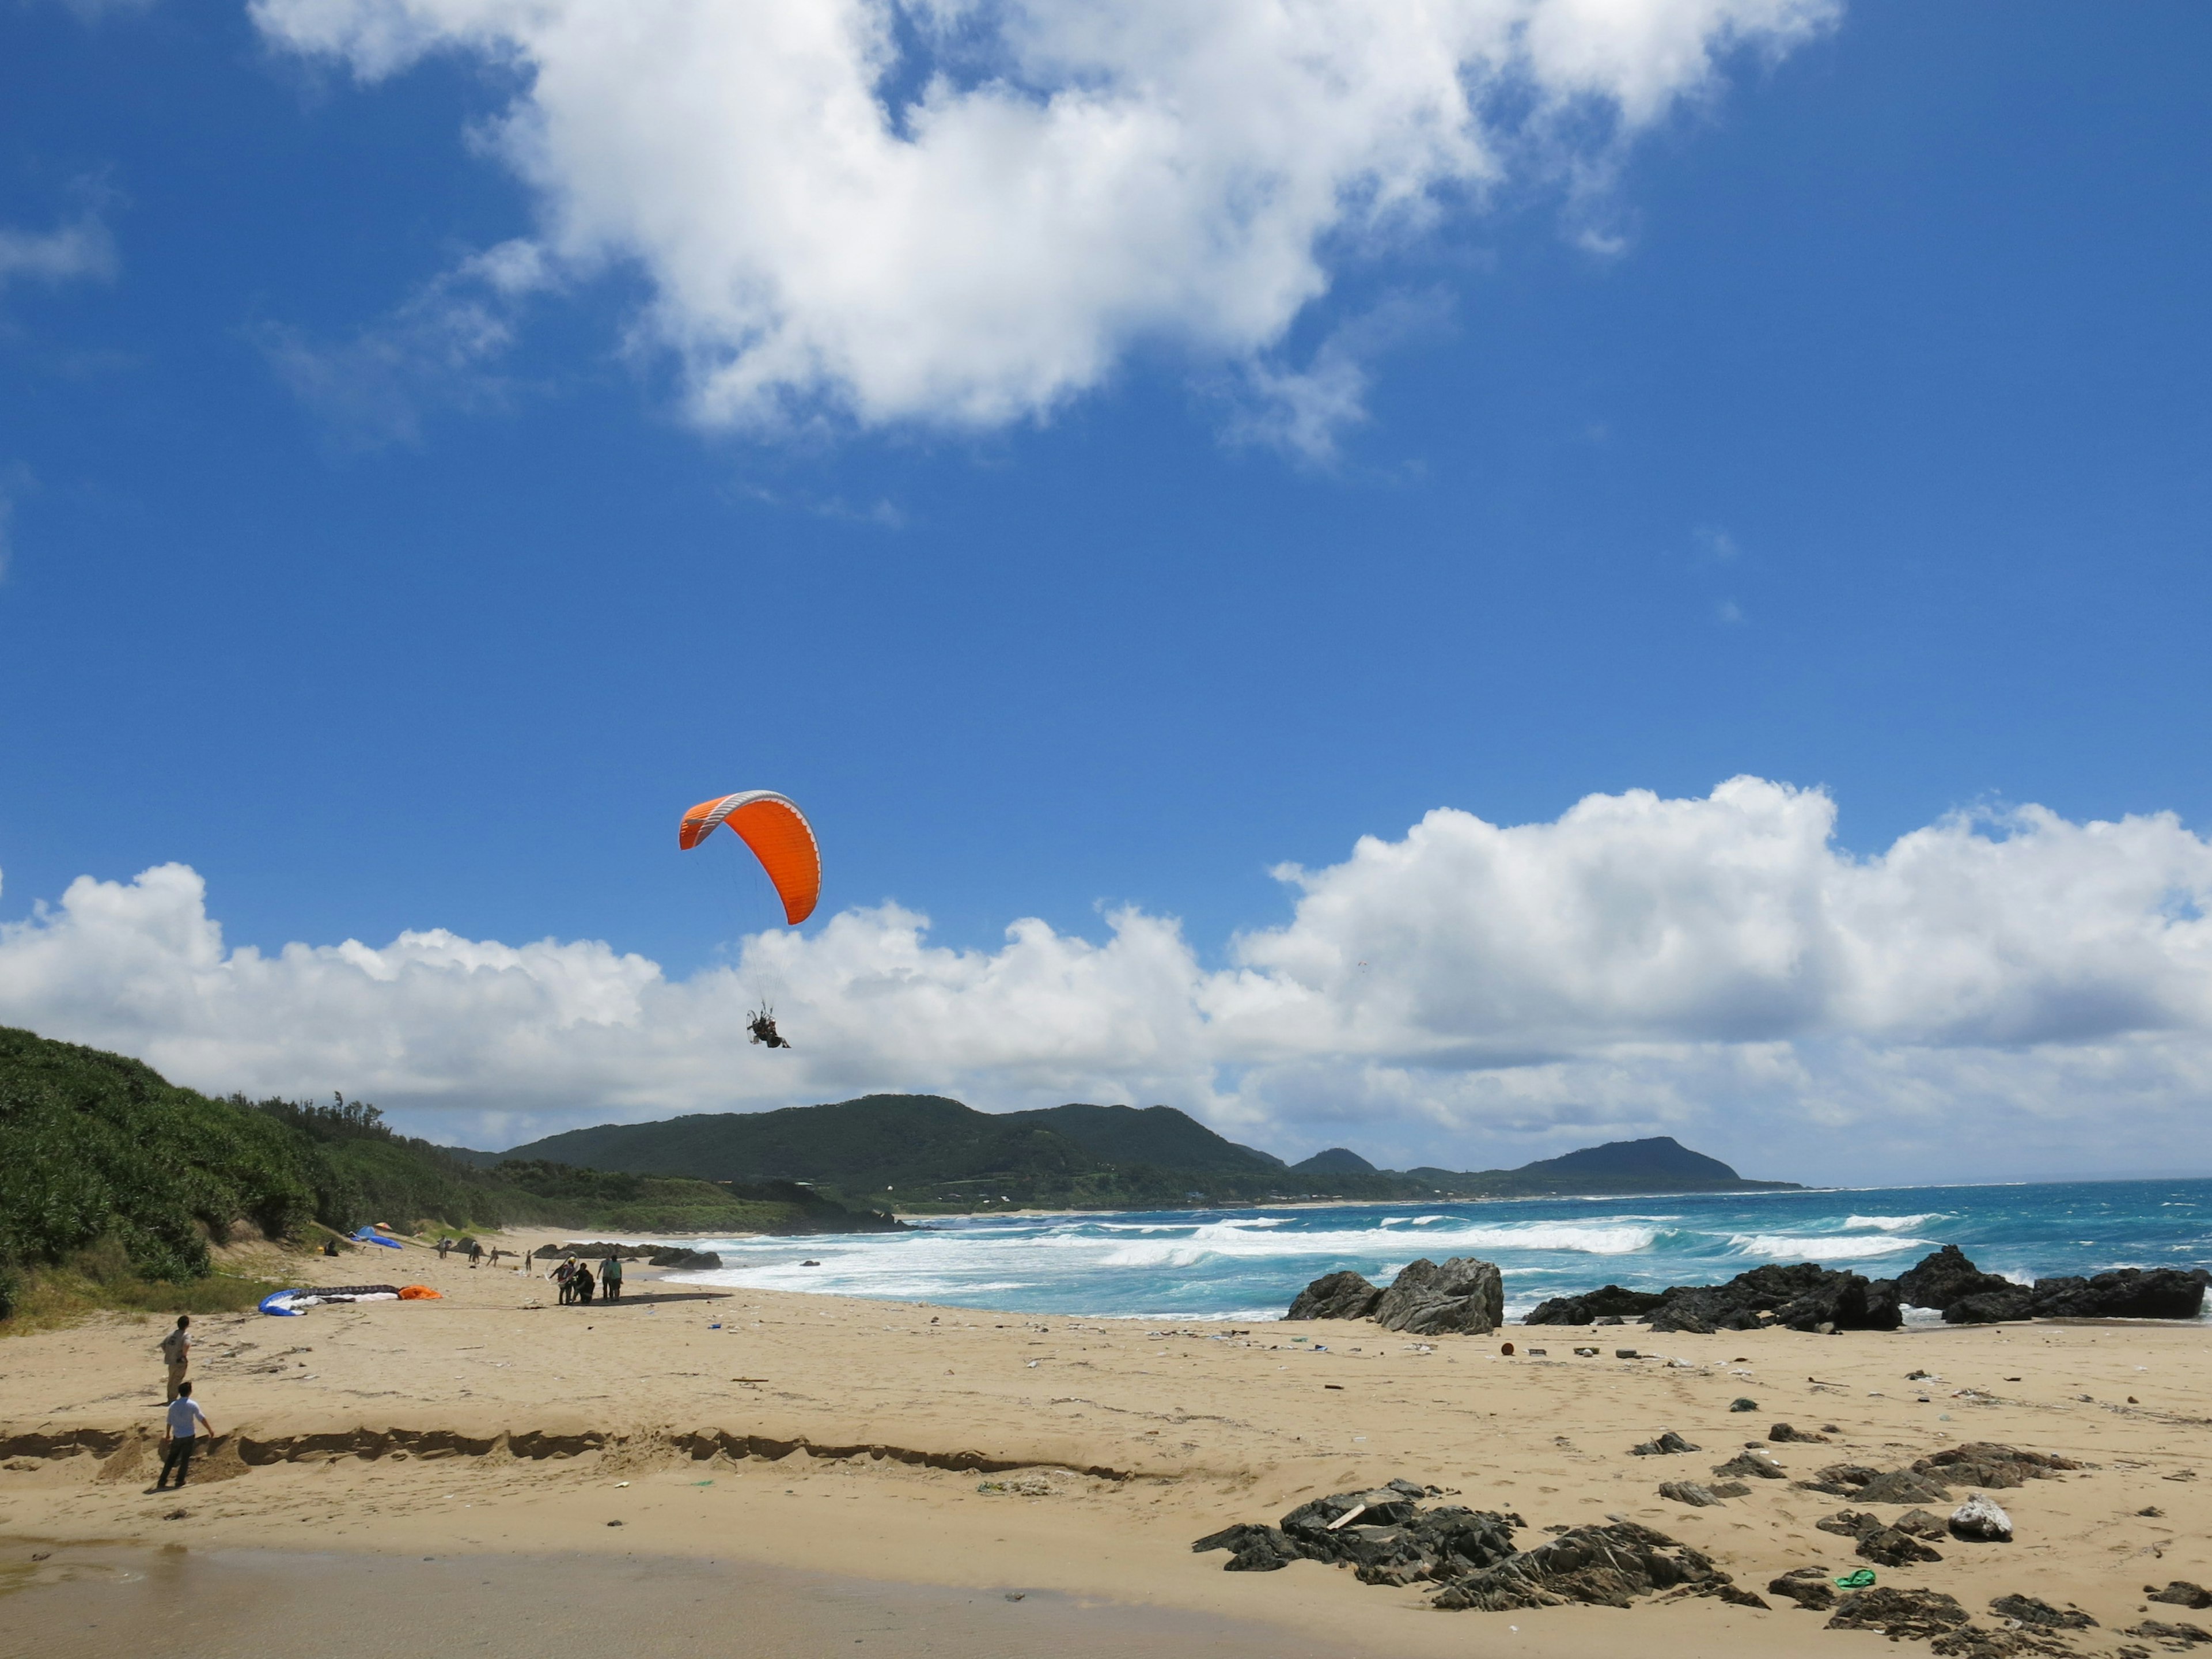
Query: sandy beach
x=752 y=1449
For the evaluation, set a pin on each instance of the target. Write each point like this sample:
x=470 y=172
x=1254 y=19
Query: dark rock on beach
x=1903 y=1615
x=1987 y=1464
x=2125 y=1294
x=1383 y=1534
x=1946 y=1277
x=1750 y=1461
x=2181 y=1593
x=1808 y=1587
x=1336 y=1295
x=1430 y=1298
x=1947 y=1281
x=1608 y=1566
x=1459 y=1297
x=1902 y=1486
x=2029 y=1610
x=1611 y=1302
x=1669 y=1444
x=1888 y=1546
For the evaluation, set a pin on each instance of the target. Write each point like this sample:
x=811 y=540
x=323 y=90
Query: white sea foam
x=1820 y=1246
x=1893 y=1224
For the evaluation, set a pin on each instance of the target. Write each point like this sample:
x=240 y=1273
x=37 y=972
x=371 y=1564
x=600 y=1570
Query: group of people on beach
x=472 y=1248
x=578 y=1285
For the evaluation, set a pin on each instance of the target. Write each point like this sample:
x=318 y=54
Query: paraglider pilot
x=762 y=1026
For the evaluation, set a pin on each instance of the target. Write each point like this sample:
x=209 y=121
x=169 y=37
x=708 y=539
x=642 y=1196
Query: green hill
x=109 y=1170
x=924 y=1152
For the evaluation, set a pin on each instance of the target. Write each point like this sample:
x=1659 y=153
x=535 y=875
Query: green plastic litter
x=702 y=1483
x=1858 y=1580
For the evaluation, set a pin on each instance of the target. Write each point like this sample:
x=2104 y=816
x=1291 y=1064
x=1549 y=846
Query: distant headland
x=926 y=1153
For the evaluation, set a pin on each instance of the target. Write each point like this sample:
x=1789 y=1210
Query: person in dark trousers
x=565 y=1277
x=444 y=1245
x=476 y=1252
x=611 y=1278
x=177 y=1354
x=188 y=1423
x=582 y=1284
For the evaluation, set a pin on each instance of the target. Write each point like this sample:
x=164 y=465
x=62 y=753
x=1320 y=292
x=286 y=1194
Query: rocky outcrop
x=1428 y=1298
x=1336 y=1295
x=1607 y=1566
x=1949 y=1281
x=1800 y=1295
x=2033 y=1610
x=1979 y=1521
x=1913 y=1616
x=1388 y=1537
x=2125 y=1294
x=1988 y=1463
x=1610 y=1302
x=1382 y=1534
x=1946 y=1276
x=1808 y=1587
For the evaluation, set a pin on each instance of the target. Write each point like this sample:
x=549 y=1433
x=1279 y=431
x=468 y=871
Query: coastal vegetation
x=118 y=1185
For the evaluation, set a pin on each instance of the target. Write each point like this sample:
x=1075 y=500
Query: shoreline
x=912 y=1444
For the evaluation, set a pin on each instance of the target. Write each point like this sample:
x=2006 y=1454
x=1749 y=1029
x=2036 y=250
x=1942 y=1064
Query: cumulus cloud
x=1996 y=994
x=966 y=212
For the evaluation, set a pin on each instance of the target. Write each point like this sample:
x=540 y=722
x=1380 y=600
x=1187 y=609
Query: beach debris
x=1586 y=1353
x=1978 y=1519
x=1759 y=1464
x=1742 y=1404
x=1016 y=1596
x=1916 y=1615
x=1669 y=1444
x=2178 y=1637
x=1857 y=1579
x=1534 y=1353
x=1022 y=1485
x=2181 y=1593
x=1806 y=1586
x=2152 y=1512
x=2028 y=1610
x=1986 y=1463
x=1605 y=1567
x=1335 y=1296
x=1506 y=1348
x=1783 y=1431
x=1626 y=1353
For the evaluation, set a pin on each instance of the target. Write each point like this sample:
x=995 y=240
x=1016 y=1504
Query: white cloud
x=81 y=248
x=1995 y=995
x=439 y=346
x=968 y=211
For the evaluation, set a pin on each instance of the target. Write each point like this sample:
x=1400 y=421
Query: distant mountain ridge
x=927 y=1151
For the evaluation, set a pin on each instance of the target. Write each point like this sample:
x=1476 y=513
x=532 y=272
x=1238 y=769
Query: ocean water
x=1247 y=1264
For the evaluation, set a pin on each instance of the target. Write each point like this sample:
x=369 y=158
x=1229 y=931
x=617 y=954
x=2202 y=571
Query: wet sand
x=882 y=1446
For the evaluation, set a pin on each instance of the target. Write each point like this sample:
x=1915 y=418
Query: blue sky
x=1849 y=431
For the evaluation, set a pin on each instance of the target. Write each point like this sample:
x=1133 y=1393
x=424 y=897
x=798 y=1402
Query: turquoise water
x=1248 y=1264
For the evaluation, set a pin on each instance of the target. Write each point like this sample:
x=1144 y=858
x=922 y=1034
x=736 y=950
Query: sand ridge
x=947 y=1446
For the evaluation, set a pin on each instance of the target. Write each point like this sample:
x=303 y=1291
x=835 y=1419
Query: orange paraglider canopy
x=780 y=836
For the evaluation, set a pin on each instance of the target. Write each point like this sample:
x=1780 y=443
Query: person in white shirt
x=188 y=1423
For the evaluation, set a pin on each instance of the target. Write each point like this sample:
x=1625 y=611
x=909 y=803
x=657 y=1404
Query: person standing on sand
x=177 y=1352
x=565 y=1277
x=444 y=1245
x=476 y=1252
x=611 y=1278
x=187 y=1422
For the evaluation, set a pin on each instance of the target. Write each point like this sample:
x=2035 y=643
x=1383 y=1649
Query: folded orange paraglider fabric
x=420 y=1293
x=780 y=836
